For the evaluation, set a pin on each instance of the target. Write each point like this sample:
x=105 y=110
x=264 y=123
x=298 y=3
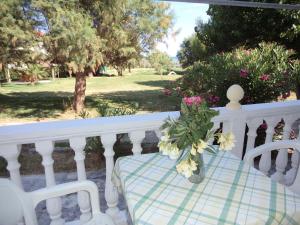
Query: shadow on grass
x=148 y=100
x=33 y=104
x=52 y=104
x=156 y=83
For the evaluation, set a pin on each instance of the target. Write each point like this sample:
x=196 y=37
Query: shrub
x=265 y=73
x=104 y=109
x=33 y=73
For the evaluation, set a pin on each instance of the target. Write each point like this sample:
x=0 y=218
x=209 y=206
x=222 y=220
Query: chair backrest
x=15 y=204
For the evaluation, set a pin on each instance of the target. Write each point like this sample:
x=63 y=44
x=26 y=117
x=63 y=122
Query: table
x=232 y=193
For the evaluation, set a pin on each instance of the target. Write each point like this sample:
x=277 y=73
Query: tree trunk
x=298 y=90
x=120 y=72
x=7 y=75
x=129 y=69
x=53 y=73
x=79 y=94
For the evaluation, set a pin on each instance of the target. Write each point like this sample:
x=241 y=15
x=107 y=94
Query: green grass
x=52 y=100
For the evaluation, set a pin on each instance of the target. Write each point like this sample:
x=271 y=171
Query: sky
x=186 y=15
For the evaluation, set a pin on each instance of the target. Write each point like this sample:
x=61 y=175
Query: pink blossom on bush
x=167 y=91
x=214 y=99
x=286 y=94
x=195 y=100
x=244 y=73
x=264 y=77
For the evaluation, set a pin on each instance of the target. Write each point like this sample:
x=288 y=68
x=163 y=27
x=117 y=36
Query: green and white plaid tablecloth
x=232 y=193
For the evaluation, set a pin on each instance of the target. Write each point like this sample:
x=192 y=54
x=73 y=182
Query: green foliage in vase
x=192 y=125
x=187 y=137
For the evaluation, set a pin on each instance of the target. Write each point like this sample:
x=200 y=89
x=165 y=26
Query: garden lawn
x=52 y=101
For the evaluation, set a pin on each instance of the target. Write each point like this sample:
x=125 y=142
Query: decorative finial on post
x=235 y=93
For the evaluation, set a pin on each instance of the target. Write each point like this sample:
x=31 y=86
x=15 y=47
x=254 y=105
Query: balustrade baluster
x=78 y=145
x=251 y=135
x=11 y=154
x=111 y=193
x=54 y=205
x=136 y=138
x=265 y=160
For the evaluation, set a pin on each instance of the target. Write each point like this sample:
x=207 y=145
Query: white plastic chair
x=16 y=204
x=293 y=182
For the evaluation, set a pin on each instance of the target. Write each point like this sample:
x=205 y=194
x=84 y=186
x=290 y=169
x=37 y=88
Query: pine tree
x=129 y=27
x=17 y=34
x=72 y=41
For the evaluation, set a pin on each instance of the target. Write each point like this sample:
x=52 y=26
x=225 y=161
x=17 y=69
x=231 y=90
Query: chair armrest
x=285 y=144
x=68 y=188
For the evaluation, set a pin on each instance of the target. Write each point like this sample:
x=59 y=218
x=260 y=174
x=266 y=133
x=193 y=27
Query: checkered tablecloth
x=231 y=193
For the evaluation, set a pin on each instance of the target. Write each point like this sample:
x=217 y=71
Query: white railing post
x=265 y=160
x=282 y=157
x=235 y=93
x=78 y=145
x=11 y=154
x=136 y=138
x=251 y=134
x=111 y=193
x=54 y=205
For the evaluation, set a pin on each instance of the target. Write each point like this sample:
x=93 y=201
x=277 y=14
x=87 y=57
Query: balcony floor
x=70 y=210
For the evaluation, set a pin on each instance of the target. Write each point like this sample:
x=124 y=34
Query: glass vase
x=199 y=174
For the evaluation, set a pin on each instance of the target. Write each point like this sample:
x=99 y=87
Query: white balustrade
x=252 y=124
x=111 y=193
x=282 y=157
x=54 y=206
x=234 y=118
x=11 y=153
x=78 y=145
x=136 y=138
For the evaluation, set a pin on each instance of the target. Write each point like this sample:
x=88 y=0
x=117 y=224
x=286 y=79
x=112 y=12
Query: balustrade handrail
x=59 y=130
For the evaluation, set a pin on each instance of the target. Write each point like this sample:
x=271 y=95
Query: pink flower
x=188 y=101
x=195 y=100
x=286 y=94
x=167 y=91
x=244 y=73
x=264 y=77
x=214 y=99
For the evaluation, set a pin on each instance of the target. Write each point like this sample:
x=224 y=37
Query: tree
x=17 y=34
x=191 y=50
x=231 y=27
x=72 y=41
x=160 y=61
x=129 y=27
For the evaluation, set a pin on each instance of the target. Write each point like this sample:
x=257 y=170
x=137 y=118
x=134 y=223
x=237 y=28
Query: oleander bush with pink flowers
x=265 y=73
